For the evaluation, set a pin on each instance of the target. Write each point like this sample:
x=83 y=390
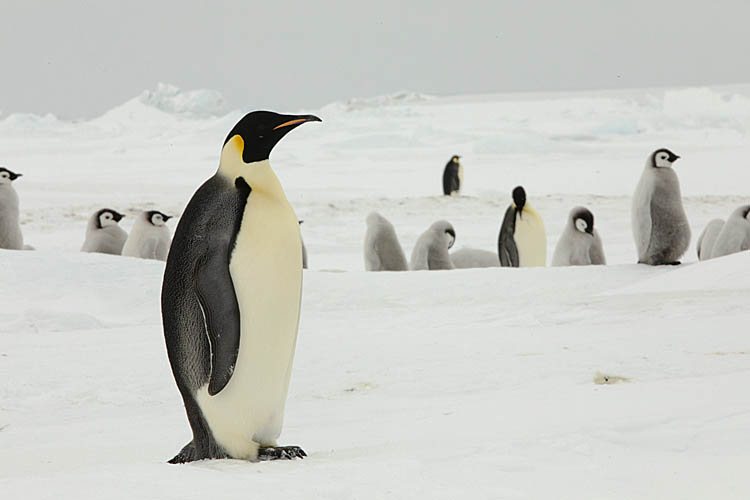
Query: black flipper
x=506 y=245
x=218 y=302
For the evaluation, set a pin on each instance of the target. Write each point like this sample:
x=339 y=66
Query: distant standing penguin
x=522 y=241
x=579 y=244
x=660 y=226
x=149 y=237
x=707 y=238
x=231 y=299
x=453 y=177
x=735 y=235
x=468 y=258
x=431 y=249
x=11 y=237
x=383 y=252
x=103 y=234
x=304 y=249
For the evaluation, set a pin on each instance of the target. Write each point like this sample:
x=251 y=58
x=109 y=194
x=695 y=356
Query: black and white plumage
x=707 y=239
x=734 y=235
x=579 y=244
x=11 y=237
x=231 y=299
x=660 y=226
x=382 y=249
x=149 y=237
x=467 y=258
x=453 y=176
x=431 y=250
x=522 y=240
x=103 y=234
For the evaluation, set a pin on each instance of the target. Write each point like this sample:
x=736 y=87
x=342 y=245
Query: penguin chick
x=383 y=252
x=431 y=249
x=149 y=237
x=735 y=235
x=660 y=226
x=707 y=239
x=453 y=176
x=522 y=241
x=103 y=234
x=467 y=258
x=579 y=244
x=11 y=237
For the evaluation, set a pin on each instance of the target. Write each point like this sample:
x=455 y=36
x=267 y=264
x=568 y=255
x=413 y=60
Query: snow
x=481 y=383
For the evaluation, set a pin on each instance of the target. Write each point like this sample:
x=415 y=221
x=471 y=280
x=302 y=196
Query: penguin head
x=156 y=218
x=450 y=235
x=519 y=199
x=257 y=133
x=445 y=232
x=663 y=158
x=107 y=217
x=583 y=220
x=455 y=158
x=6 y=176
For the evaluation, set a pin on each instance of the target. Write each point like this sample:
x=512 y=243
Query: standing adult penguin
x=735 y=235
x=149 y=237
x=707 y=239
x=431 y=249
x=11 y=237
x=383 y=252
x=660 y=226
x=453 y=176
x=522 y=241
x=579 y=244
x=231 y=299
x=103 y=234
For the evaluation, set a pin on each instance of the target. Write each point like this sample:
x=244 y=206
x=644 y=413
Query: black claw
x=280 y=453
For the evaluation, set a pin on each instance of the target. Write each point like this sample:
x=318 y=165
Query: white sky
x=78 y=58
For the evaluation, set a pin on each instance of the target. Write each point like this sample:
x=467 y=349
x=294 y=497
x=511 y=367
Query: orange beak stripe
x=290 y=122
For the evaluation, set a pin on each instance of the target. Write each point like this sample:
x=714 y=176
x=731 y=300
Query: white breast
x=266 y=271
x=531 y=239
x=460 y=178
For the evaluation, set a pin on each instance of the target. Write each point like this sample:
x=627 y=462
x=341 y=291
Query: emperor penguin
x=735 y=235
x=149 y=237
x=231 y=299
x=522 y=241
x=383 y=252
x=453 y=176
x=431 y=249
x=660 y=226
x=467 y=258
x=103 y=234
x=304 y=249
x=579 y=244
x=11 y=237
x=707 y=239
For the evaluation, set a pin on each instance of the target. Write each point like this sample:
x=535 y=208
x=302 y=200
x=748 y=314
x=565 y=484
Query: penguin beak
x=673 y=158
x=15 y=176
x=118 y=217
x=299 y=120
x=167 y=217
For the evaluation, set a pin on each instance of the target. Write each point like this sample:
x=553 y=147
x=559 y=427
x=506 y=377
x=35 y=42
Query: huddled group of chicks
x=149 y=237
x=660 y=229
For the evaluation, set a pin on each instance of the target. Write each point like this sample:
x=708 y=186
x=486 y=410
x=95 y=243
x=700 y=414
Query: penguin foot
x=675 y=263
x=280 y=453
x=187 y=454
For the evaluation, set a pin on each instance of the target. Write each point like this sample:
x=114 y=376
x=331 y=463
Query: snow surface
x=472 y=383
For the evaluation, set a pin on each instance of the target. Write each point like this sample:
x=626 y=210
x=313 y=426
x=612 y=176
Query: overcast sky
x=79 y=58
